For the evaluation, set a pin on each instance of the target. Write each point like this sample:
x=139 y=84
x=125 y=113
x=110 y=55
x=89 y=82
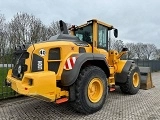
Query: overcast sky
x=136 y=20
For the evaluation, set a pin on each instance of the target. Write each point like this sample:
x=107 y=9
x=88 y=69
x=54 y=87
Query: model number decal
x=82 y=44
x=40 y=64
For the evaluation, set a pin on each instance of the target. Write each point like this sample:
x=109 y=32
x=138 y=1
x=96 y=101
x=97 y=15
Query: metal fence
x=5 y=65
x=153 y=64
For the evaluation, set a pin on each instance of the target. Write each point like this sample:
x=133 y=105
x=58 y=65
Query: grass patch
x=5 y=91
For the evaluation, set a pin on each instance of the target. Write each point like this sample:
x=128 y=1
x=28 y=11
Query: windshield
x=85 y=33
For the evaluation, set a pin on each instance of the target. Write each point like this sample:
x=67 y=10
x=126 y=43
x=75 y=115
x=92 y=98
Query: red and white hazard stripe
x=70 y=63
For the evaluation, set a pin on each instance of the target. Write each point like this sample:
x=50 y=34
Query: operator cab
x=95 y=33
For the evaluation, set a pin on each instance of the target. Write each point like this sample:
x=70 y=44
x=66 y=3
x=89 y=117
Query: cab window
x=102 y=37
x=85 y=33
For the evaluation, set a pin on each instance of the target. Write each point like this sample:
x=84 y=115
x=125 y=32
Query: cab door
x=100 y=38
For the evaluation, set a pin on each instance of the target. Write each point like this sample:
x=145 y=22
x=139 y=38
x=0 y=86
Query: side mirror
x=115 y=33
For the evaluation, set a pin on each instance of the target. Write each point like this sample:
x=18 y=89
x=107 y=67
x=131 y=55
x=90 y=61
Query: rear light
x=26 y=88
x=70 y=62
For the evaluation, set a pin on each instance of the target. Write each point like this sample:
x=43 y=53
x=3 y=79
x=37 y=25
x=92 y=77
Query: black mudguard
x=69 y=76
x=122 y=77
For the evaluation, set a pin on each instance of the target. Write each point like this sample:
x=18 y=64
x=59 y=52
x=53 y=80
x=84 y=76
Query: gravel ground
x=143 y=106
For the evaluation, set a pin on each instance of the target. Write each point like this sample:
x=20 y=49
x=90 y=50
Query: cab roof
x=97 y=21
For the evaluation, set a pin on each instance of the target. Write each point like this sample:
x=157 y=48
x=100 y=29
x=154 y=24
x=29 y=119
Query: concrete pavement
x=143 y=106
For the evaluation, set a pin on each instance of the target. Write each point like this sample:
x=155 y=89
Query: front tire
x=132 y=85
x=91 y=90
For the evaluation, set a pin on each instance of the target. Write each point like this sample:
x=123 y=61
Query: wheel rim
x=135 y=79
x=95 y=90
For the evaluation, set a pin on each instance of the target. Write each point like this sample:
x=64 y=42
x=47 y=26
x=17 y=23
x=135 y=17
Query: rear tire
x=132 y=84
x=91 y=90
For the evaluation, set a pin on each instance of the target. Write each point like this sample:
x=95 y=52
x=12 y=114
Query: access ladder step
x=61 y=100
x=112 y=88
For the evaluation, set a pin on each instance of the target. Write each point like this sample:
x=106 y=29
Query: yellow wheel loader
x=78 y=68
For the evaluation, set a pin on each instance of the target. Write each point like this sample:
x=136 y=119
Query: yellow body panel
x=44 y=85
x=28 y=61
x=45 y=82
x=69 y=49
x=120 y=65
